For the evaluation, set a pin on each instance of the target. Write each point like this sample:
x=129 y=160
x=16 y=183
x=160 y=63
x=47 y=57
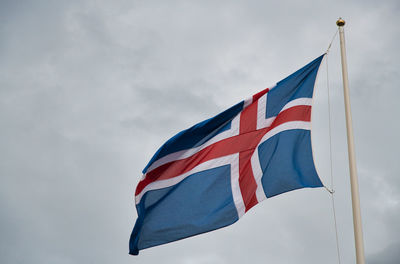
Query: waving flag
x=208 y=176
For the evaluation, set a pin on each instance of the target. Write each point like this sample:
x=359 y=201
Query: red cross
x=244 y=143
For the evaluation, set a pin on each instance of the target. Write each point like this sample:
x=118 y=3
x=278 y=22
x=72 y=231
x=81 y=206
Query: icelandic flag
x=208 y=176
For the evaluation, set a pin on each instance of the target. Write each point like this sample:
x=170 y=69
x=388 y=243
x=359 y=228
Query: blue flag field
x=208 y=176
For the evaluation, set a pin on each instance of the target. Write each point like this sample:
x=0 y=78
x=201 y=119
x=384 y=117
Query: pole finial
x=340 y=22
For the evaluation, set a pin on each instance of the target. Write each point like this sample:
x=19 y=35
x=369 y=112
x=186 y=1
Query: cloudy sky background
x=90 y=89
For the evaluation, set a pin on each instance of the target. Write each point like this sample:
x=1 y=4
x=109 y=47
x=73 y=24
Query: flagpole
x=355 y=198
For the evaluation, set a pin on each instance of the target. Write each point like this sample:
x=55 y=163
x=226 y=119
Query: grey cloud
x=389 y=255
x=89 y=91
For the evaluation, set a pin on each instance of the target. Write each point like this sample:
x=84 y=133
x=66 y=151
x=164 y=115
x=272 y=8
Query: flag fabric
x=208 y=176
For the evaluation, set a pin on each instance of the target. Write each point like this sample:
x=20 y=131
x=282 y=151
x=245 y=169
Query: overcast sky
x=90 y=89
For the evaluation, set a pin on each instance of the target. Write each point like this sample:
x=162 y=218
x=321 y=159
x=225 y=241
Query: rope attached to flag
x=331 y=190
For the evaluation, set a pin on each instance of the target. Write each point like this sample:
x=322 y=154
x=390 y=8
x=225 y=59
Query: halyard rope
x=331 y=191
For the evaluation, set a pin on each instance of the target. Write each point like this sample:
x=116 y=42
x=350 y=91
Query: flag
x=208 y=176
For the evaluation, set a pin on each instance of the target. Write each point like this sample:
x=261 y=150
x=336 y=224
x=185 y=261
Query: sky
x=89 y=90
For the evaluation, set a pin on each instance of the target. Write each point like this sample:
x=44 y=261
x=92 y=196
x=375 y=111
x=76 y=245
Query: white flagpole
x=355 y=198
